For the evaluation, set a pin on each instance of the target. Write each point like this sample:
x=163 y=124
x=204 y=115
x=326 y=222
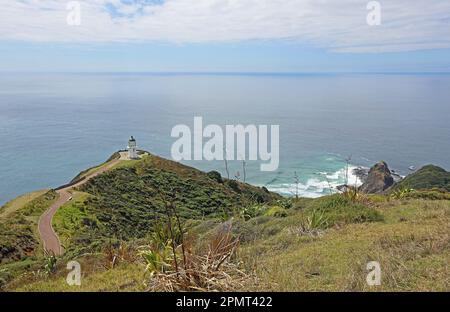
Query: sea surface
x=54 y=125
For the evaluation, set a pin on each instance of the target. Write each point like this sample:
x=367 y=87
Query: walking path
x=48 y=236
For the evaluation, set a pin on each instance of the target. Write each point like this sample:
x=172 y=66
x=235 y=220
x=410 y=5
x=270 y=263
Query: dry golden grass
x=19 y=203
x=412 y=245
x=215 y=268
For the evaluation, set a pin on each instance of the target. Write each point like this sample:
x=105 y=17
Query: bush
x=402 y=193
x=251 y=211
x=311 y=224
x=339 y=209
x=285 y=203
x=234 y=185
x=276 y=211
x=50 y=263
x=183 y=268
x=215 y=176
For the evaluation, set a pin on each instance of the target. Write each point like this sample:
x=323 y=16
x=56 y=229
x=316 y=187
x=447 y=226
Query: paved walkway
x=48 y=236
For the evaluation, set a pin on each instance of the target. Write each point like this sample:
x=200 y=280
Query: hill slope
x=283 y=244
x=122 y=204
x=125 y=203
x=409 y=238
x=427 y=177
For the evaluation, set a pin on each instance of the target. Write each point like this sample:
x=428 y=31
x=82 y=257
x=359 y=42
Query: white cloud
x=338 y=25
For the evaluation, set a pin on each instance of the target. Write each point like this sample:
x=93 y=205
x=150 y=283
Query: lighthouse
x=132 y=148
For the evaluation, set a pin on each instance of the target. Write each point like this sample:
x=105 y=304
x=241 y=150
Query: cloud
x=336 y=25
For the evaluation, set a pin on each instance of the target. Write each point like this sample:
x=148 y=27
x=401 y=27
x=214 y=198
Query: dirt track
x=48 y=236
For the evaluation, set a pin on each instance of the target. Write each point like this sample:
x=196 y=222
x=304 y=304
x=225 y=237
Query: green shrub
x=215 y=176
x=233 y=185
x=341 y=210
x=285 y=203
x=311 y=224
x=316 y=220
x=158 y=259
x=402 y=193
x=251 y=211
x=50 y=264
x=276 y=211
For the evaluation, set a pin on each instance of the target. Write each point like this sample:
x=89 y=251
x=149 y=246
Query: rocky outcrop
x=361 y=173
x=378 y=180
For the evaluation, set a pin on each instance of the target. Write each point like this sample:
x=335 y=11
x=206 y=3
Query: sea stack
x=379 y=179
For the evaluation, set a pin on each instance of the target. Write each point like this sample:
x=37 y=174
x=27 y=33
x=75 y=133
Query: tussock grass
x=411 y=243
x=185 y=267
x=203 y=274
x=413 y=253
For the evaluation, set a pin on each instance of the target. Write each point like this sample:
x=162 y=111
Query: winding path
x=48 y=235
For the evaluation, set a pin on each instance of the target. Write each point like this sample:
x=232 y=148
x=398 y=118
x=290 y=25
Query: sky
x=225 y=36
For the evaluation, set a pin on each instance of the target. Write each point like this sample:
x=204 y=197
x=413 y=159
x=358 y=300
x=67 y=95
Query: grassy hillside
x=411 y=243
x=121 y=205
x=18 y=231
x=125 y=203
x=94 y=169
x=154 y=224
x=310 y=247
x=428 y=177
x=18 y=203
x=19 y=238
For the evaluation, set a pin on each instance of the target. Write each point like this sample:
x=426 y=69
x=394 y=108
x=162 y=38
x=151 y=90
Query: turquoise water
x=52 y=126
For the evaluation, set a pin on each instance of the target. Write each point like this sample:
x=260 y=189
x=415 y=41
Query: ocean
x=54 y=125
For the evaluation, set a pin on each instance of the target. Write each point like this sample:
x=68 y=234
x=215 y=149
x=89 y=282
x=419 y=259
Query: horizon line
x=231 y=73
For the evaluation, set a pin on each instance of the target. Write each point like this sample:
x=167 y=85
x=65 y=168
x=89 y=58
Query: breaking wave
x=323 y=183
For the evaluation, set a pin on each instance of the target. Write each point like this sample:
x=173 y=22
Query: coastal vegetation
x=426 y=178
x=16 y=204
x=19 y=237
x=155 y=224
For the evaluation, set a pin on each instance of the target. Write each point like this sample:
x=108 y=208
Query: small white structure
x=132 y=148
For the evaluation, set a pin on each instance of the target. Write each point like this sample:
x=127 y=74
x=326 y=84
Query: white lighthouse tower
x=132 y=148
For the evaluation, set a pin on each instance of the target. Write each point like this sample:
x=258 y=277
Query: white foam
x=318 y=186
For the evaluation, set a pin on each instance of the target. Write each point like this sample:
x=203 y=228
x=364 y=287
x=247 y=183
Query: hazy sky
x=225 y=35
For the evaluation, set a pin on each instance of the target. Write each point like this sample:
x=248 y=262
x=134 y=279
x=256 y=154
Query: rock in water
x=379 y=179
x=361 y=173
